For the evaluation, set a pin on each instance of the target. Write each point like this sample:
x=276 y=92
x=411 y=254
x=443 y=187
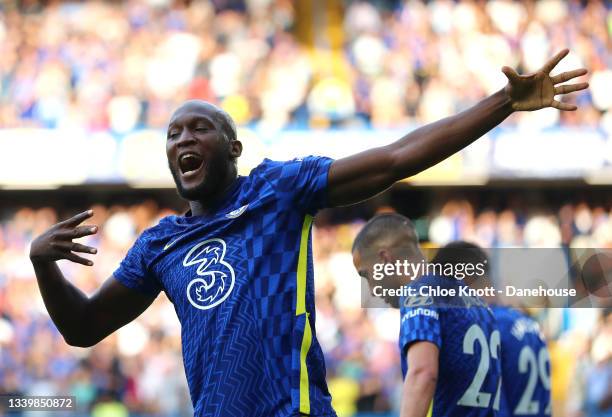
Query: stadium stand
x=116 y=68
x=141 y=364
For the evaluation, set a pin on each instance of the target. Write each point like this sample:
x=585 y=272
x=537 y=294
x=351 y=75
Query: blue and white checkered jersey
x=241 y=281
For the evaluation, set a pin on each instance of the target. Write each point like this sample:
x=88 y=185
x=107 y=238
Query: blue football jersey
x=525 y=365
x=241 y=281
x=464 y=330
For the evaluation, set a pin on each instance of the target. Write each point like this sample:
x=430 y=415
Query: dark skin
x=195 y=132
x=201 y=155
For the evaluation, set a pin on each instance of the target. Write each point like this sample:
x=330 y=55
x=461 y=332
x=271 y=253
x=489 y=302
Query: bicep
x=361 y=176
x=114 y=305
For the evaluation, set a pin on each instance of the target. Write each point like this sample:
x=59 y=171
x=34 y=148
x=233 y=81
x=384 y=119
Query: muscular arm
x=363 y=175
x=420 y=382
x=368 y=173
x=83 y=321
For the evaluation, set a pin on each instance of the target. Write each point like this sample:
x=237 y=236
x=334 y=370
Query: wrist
x=39 y=260
x=505 y=99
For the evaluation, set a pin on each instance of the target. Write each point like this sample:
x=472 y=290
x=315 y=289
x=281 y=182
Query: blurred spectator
x=572 y=225
x=117 y=67
x=592 y=393
x=121 y=66
x=141 y=366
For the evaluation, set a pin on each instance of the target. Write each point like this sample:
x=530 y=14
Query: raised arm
x=81 y=320
x=368 y=173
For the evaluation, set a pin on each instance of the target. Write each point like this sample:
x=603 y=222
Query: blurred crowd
x=138 y=369
x=121 y=66
x=520 y=224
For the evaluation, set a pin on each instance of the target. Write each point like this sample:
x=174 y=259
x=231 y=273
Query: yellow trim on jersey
x=300 y=304
x=300 y=308
x=304 y=386
x=430 y=411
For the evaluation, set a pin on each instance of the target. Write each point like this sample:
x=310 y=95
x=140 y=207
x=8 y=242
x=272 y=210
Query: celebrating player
x=450 y=345
x=238 y=265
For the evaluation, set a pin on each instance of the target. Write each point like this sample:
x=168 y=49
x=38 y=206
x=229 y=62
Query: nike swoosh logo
x=237 y=212
x=172 y=242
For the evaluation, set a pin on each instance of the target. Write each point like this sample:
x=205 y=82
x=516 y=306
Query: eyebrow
x=192 y=118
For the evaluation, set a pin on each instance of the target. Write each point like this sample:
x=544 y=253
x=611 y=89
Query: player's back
x=465 y=332
x=525 y=365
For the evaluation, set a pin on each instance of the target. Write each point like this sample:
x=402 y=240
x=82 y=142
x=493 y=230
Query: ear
x=384 y=256
x=235 y=148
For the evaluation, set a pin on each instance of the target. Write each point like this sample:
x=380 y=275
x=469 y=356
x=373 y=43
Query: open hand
x=538 y=90
x=56 y=243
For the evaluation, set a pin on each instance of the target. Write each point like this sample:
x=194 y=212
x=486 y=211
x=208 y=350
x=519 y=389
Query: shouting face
x=202 y=149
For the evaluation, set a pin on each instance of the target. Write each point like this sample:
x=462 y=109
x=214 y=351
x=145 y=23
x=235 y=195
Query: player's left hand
x=538 y=90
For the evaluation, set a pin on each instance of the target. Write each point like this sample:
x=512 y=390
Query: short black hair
x=387 y=226
x=461 y=251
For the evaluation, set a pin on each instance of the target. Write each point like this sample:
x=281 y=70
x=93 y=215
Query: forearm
x=417 y=394
x=361 y=176
x=82 y=320
x=66 y=304
x=364 y=175
x=435 y=142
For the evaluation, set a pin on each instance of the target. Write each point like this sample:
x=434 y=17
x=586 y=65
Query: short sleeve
x=134 y=273
x=419 y=324
x=303 y=179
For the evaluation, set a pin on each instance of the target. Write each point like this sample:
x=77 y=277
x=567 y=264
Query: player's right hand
x=56 y=243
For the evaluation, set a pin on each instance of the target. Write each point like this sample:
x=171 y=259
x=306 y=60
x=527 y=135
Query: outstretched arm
x=81 y=320
x=368 y=173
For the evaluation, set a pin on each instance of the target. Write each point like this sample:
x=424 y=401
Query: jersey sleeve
x=134 y=273
x=303 y=180
x=419 y=323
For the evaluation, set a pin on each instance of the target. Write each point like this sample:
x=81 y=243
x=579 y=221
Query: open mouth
x=190 y=163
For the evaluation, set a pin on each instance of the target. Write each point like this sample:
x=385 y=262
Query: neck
x=405 y=279
x=203 y=207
